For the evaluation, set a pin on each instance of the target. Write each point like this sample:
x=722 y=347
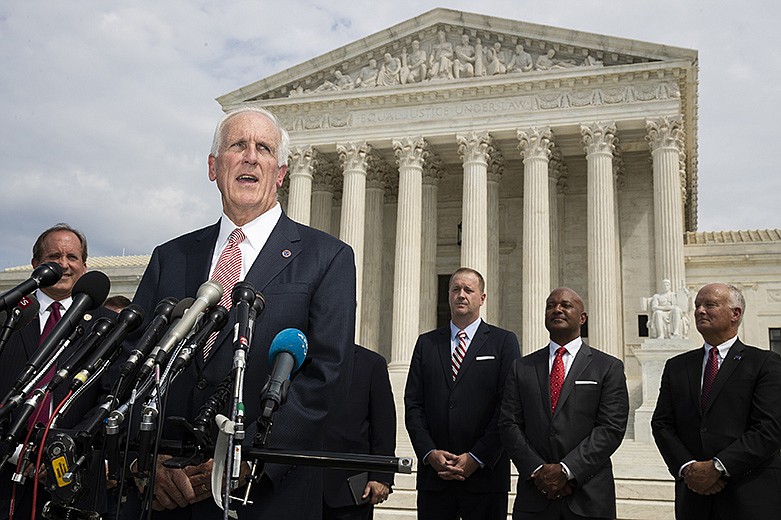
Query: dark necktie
x=711 y=369
x=227 y=272
x=458 y=354
x=43 y=408
x=556 y=378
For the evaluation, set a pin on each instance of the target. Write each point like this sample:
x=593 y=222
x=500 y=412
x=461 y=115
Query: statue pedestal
x=652 y=355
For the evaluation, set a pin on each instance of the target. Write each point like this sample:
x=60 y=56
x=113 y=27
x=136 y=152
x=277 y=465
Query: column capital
x=303 y=160
x=324 y=176
x=665 y=132
x=410 y=151
x=599 y=137
x=495 y=165
x=474 y=146
x=535 y=143
x=355 y=155
x=433 y=169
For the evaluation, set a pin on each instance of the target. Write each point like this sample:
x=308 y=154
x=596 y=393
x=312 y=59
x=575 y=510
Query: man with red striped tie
x=454 y=389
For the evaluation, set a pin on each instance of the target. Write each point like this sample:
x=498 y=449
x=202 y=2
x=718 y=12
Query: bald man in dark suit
x=564 y=414
x=717 y=421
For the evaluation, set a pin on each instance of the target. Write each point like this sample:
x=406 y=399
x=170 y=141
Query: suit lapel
x=543 y=377
x=282 y=246
x=443 y=352
x=579 y=364
x=198 y=258
x=31 y=336
x=694 y=373
x=728 y=366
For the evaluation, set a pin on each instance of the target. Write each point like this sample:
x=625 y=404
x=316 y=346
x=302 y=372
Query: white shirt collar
x=470 y=329
x=572 y=347
x=723 y=348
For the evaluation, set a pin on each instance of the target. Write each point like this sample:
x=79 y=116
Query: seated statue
x=368 y=75
x=494 y=62
x=668 y=310
x=521 y=61
x=441 y=58
x=390 y=71
x=413 y=67
x=464 y=64
x=341 y=82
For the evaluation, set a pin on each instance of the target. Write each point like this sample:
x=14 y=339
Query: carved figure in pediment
x=479 y=58
x=591 y=61
x=298 y=90
x=390 y=71
x=546 y=62
x=368 y=75
x=521 y=61
x=441 y=59
x=413 y=67
x=341 y=82
x=464 y=64
x=494 y=61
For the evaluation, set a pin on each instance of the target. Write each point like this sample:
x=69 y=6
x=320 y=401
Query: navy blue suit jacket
x=460 y=416
x=307 y=278
x=741 y=426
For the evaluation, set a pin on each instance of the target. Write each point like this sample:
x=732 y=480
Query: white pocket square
x=483 y=358
x=586 y=382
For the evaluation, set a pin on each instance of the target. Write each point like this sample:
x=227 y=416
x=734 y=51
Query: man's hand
x=444 y=463
x=378 y=492
x=703 y=478
x=551 y=481
x=180 y=487
x=465 y=465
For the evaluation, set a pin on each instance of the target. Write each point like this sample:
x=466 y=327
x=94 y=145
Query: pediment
x=444 y=45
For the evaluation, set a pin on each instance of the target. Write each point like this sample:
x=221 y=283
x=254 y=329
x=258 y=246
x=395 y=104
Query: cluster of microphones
x=83 y=354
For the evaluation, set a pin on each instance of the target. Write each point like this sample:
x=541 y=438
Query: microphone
x=287 y=352
x=164 y=313
x=208 y=295
x=212 y=322
x=24 y=312
x=89 y=292
x=129 y=319
x=44 y=275
x=248 y=304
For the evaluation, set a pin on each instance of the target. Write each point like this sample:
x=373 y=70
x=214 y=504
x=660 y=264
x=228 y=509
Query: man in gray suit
x=563 y=415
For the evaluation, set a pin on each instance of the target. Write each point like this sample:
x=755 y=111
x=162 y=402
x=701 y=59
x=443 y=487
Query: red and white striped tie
x=227 y=272
x=458 y=354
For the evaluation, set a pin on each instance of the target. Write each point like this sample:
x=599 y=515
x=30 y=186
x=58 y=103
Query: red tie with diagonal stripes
x=458 y=354
x=41 y=413
x=227 y=272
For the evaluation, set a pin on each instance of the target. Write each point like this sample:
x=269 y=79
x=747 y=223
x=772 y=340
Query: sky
x=108 y=108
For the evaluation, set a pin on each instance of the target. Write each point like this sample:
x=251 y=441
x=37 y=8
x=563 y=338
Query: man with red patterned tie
x=451 y=400
x=717 y=421
x=563 y=415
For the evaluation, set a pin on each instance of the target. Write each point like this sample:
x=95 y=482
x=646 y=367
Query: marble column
x=301 y=165
x=474 y=149
x=390 y=215
x=493 y=301
x=371 y=313
x=665 y=137
x=355 y=161
x=323 y=196
x=557 y=171
x=410 y=156
x=432 y=173
x=604 y=297
x=535 y=146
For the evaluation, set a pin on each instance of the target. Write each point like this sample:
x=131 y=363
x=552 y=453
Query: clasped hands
x=452 y=467
x=552 y=482
x=703 y=478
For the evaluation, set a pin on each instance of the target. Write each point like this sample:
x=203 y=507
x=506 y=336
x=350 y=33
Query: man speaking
x=308 y=281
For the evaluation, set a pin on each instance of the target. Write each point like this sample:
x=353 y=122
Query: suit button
x=451 y=406
x=703 y=429
x=201 y=384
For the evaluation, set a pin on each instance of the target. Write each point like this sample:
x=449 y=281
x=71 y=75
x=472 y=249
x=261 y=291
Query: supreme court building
x=541 y=157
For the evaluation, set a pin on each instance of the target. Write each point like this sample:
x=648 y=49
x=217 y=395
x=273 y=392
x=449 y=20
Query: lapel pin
x=738 y=357
x=286 y=253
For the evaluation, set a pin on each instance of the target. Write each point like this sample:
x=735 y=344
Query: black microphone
x=248 y=304
x=129 y=319
x=149 y=362
x=212 y=322
x=164 y=314
x=97 y=334
x=287 y=352
x=24 y=312
x=44 y=275
x=89 y=292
